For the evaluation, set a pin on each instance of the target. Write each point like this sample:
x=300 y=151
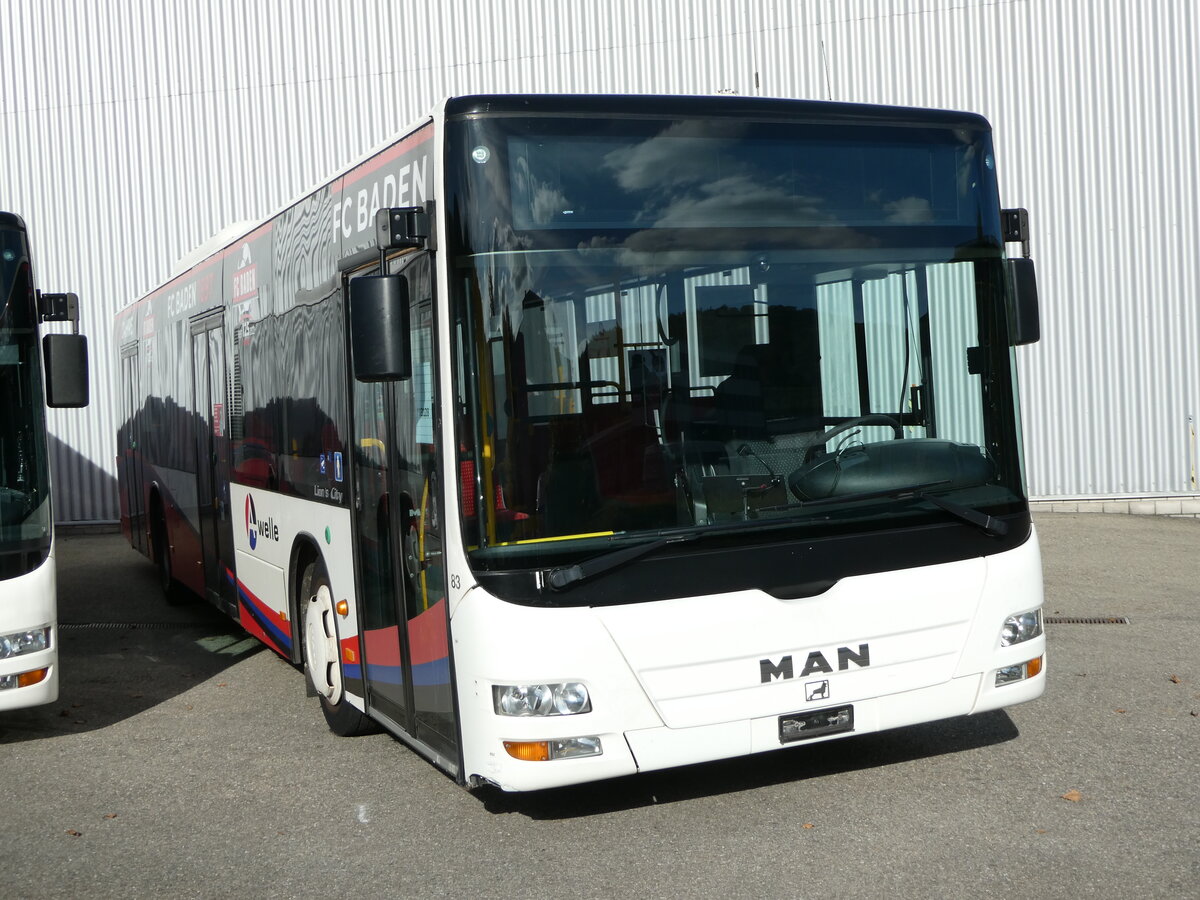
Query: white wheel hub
x=321 y=646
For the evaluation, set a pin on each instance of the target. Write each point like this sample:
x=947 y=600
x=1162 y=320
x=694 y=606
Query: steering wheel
x=872 y=419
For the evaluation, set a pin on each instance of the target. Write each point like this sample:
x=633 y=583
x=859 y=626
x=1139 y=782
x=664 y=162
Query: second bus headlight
x=32 y=641
x=565 y=699
x=1022 y=627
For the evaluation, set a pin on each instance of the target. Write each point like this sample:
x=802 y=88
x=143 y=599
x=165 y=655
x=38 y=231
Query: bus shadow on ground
x=122 y=649
x=792 y=764
x=112 y=672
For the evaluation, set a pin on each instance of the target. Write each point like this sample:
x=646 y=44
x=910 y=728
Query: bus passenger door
x=405 y=627
x=212 y=460
x=130 y=462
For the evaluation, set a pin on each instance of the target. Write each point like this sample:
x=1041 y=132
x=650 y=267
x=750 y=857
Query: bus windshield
x=24 y=477
x=681 y=325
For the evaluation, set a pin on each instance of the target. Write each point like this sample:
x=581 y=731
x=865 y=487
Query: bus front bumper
x=651 y=749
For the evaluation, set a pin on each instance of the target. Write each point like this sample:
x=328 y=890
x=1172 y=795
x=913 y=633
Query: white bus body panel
x=28 y=602
x=682 y=681
x=266 y=528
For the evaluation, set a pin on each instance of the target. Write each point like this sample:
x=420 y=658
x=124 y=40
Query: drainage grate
x=1087 y=620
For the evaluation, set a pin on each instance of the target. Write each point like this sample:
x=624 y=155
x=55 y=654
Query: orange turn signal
x=529 y=751
x=343 y=608
x=1033 y=667
x=37 y=676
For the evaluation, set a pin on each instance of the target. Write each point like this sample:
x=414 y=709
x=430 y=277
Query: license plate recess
x=811 y=723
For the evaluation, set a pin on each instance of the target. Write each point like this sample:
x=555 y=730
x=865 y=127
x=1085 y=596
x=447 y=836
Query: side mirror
x=1024 y=317
x=66 y=360
x=379 y=336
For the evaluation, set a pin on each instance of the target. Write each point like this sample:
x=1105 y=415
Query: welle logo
x=267 y=529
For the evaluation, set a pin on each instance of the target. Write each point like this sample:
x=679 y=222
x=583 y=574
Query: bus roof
x=706 y=105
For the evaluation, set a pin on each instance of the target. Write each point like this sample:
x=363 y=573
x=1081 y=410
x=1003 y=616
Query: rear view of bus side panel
x=238 y=366
x=286 y=420
x=157 y=441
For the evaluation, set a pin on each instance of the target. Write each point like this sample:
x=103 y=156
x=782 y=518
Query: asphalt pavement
x=184 y=760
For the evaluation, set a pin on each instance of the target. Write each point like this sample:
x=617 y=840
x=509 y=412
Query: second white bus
x=36 y=371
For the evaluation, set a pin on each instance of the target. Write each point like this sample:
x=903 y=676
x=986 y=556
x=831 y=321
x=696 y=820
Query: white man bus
x=568 y=437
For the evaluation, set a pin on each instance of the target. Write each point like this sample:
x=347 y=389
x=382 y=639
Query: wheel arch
x=305 y=551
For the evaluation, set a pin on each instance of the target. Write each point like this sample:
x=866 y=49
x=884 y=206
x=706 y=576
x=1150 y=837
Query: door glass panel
x=222 y=525
x=203 y=429
x=377 y=583
x=128 y=442
x=405 y=637
x=420 y=524
x=212 y=462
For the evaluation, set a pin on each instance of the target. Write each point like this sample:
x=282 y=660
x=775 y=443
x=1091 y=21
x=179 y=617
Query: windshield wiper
x=981 y=520
x=562 y=577
x=989 y=524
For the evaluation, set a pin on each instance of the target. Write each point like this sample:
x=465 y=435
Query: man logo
x=816 y=662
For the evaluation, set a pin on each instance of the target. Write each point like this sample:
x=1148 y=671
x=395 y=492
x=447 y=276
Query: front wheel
x=322 y=659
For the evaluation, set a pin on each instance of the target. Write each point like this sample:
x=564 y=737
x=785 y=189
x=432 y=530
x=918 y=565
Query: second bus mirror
x=66 y=361
x=379 y=339
x=1024 y=317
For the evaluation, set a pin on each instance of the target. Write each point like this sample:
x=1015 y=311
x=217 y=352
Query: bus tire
x=322 y=660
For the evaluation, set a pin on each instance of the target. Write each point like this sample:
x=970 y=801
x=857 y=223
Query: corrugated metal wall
x=132 y=131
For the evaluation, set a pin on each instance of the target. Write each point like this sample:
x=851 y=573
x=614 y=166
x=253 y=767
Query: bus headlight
x=32 y=641
x=1021 y=627
x=565 y=699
